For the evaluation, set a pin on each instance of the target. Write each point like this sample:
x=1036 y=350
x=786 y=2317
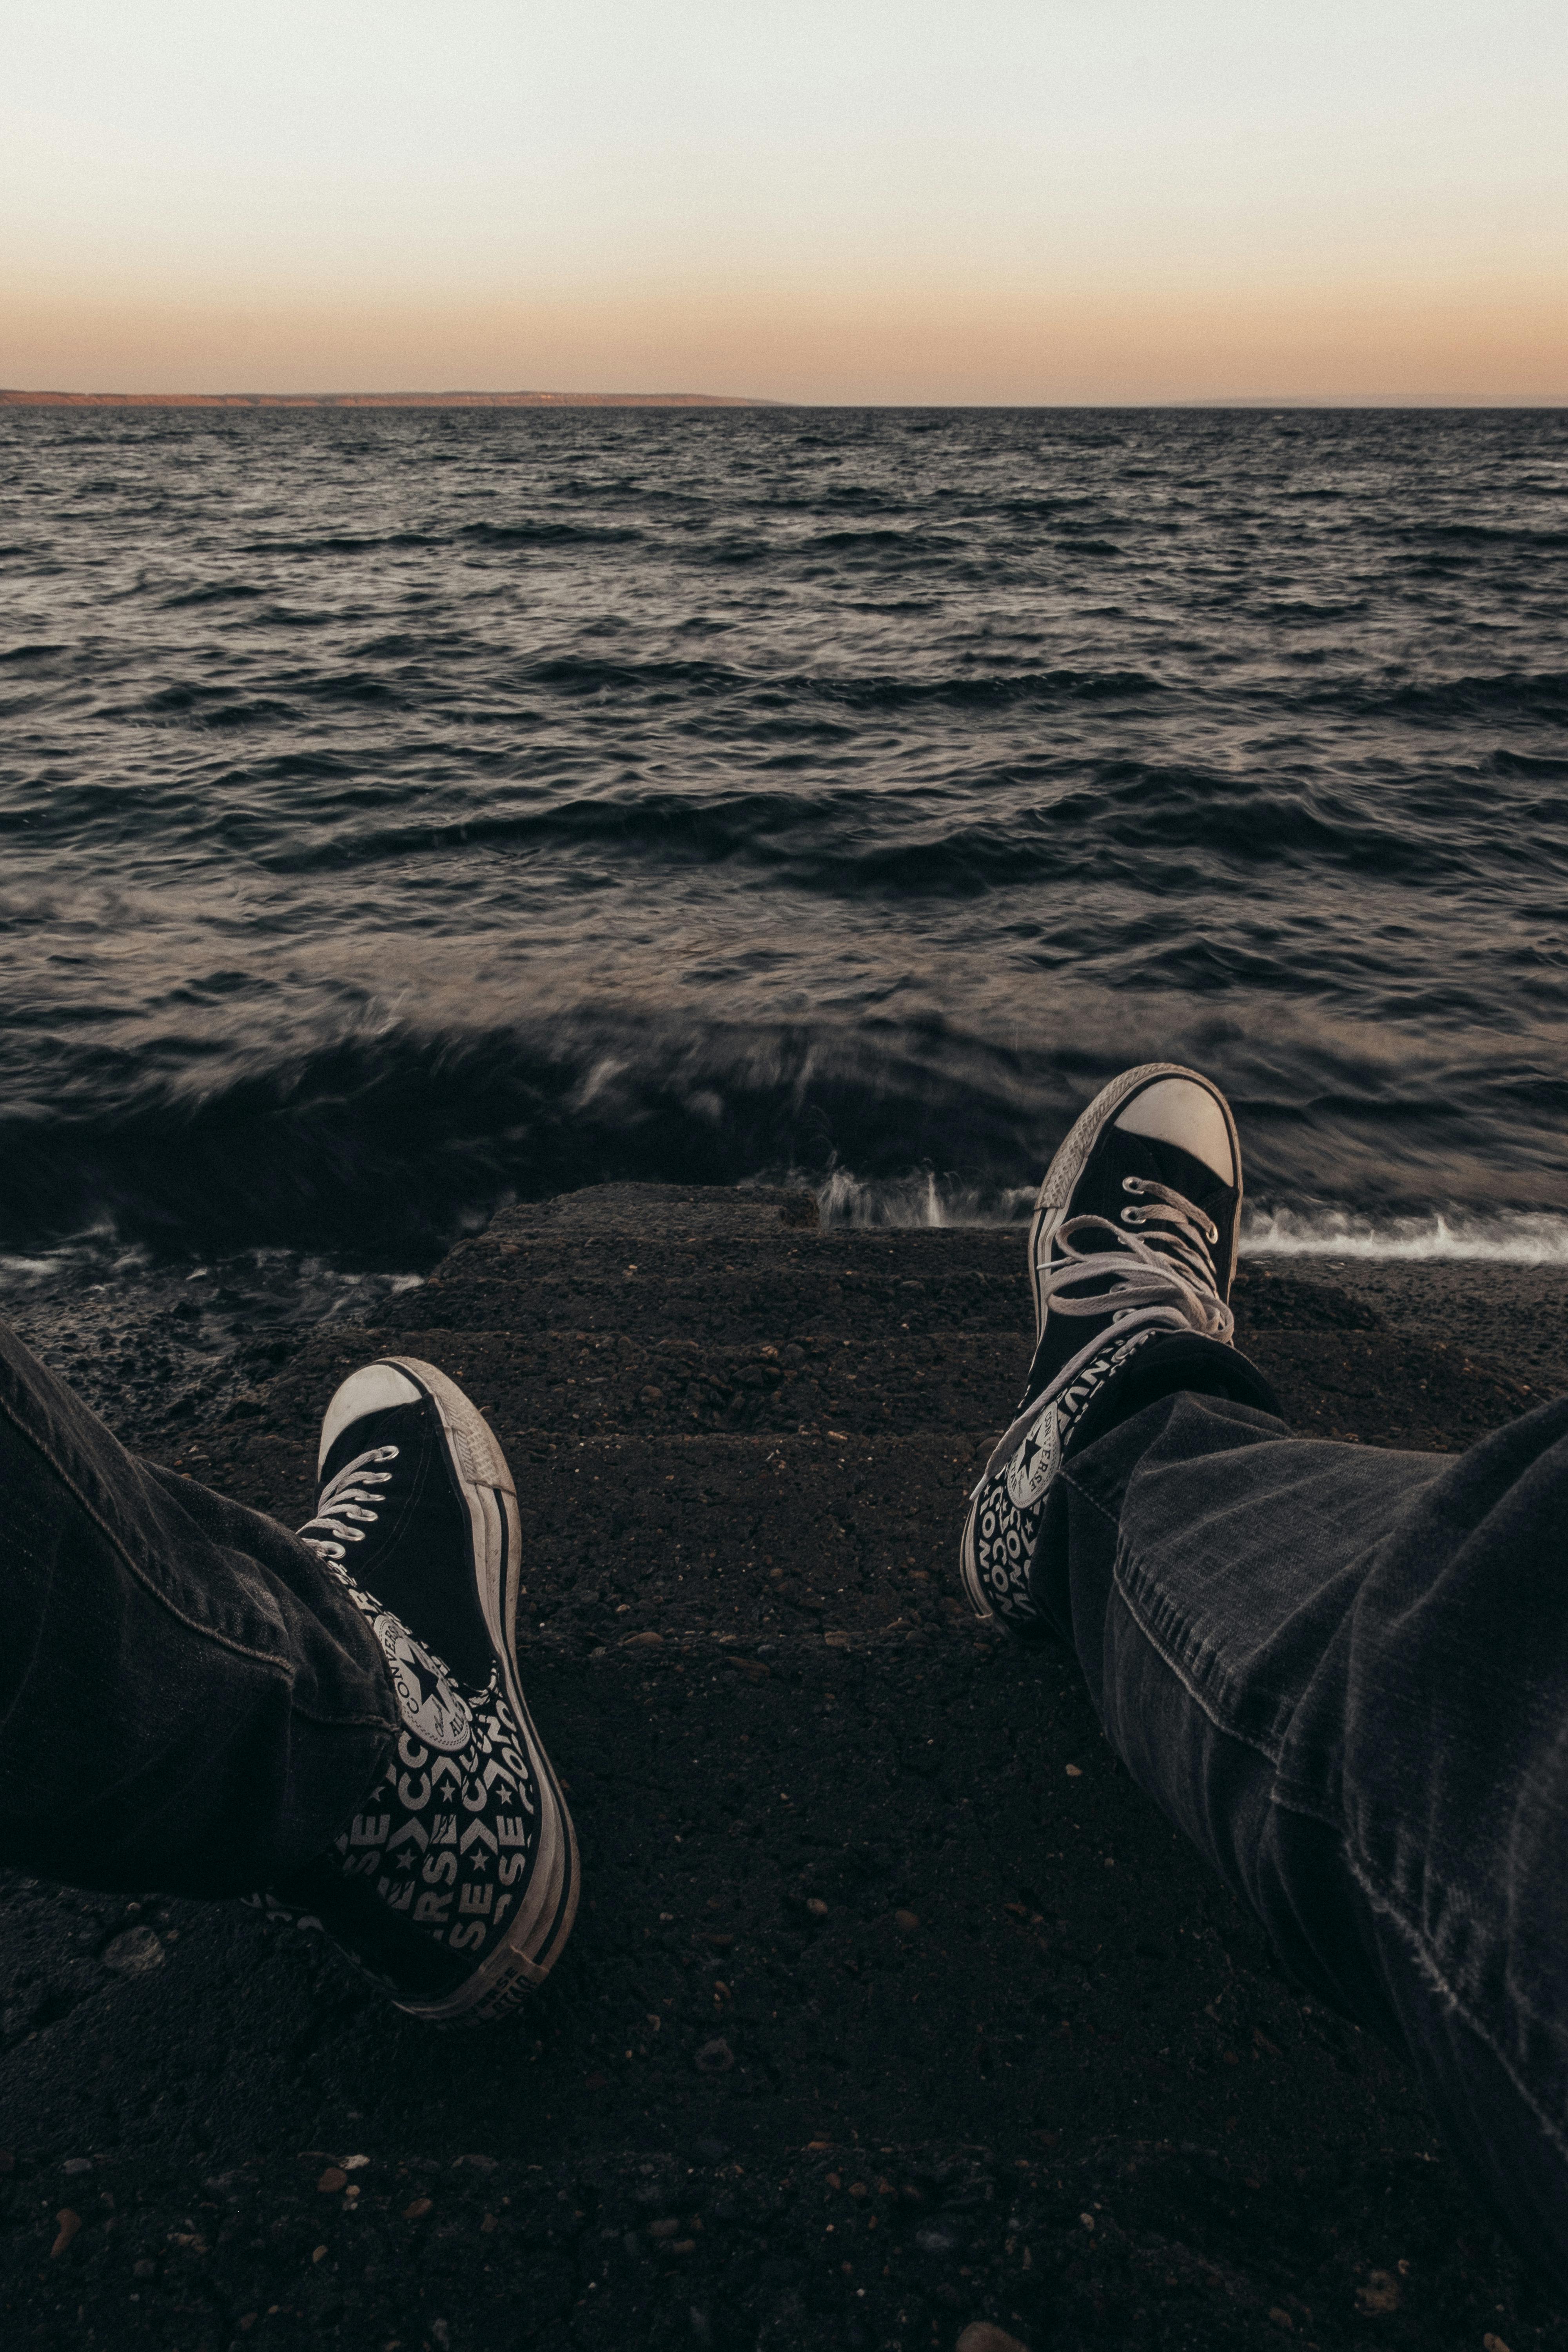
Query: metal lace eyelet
x=1132 y=1183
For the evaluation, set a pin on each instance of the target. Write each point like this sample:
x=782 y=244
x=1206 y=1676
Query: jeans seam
x=1330 y=1821
x=1092 y=1500
x=1270 y=1755
x=1425 y=1961
x=205 y=1633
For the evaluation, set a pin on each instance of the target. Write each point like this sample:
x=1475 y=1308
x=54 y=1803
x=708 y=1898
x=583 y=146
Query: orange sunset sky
x=1007 y=201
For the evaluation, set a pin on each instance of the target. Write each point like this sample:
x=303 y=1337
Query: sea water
x=403 y=812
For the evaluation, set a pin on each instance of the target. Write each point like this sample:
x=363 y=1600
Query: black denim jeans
x=186 y=1702
x=1342 y=1672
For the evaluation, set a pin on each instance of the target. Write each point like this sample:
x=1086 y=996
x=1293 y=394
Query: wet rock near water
x=161 y=1348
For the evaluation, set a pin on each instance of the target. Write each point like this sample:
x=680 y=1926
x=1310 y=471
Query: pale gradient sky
x=1003 y=200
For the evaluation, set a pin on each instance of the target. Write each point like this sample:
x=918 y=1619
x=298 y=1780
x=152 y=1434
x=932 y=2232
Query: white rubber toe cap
x=372 y=1389
x=1179 y=1111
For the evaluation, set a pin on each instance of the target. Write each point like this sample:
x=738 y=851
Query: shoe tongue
x=416 y=1557
x=1195 y=1181
x=1101 y=1193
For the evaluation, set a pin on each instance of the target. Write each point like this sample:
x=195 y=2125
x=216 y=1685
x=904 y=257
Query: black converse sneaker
x=1133 y=1235
x=455 y=1885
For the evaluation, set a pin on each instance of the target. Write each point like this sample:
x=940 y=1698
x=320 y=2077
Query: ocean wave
x=380 y=1146
x=541 y=532
x=1158 y=827
x=1503 y=695
x=873 y=690
x=342 y=543
x=212 y=591
x=379 y=1137
x=1503 y=535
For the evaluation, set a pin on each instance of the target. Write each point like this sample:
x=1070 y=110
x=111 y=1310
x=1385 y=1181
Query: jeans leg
x=186 y=1701
x=1343 y=1673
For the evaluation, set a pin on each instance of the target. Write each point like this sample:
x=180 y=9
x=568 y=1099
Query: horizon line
x=17 y=397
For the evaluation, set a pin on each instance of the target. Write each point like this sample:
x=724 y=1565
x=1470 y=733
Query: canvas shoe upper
x=455 y=1885
x=1133 y=1235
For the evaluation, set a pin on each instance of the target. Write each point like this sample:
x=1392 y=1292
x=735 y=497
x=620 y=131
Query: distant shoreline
x=381 y=400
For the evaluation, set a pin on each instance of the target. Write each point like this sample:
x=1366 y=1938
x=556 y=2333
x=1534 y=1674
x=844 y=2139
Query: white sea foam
x=1514 y=1237
x=923 y=1198
x=920 y=1198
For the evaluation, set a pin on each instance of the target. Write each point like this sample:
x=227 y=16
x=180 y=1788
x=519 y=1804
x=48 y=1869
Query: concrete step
x=736 y=1268
x=764 y=1304
x=582 y=1383
x=752 y=1536
x=668 y=1212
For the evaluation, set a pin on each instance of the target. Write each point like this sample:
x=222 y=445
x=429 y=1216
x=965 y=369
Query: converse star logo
x=1034 y=1465
x=431 y=1707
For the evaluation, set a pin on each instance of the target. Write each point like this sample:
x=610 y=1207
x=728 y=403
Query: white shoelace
x=1167 y=1281
x=348 y=1498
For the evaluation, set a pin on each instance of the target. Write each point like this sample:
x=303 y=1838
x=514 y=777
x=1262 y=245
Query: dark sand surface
x=893 y=2006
